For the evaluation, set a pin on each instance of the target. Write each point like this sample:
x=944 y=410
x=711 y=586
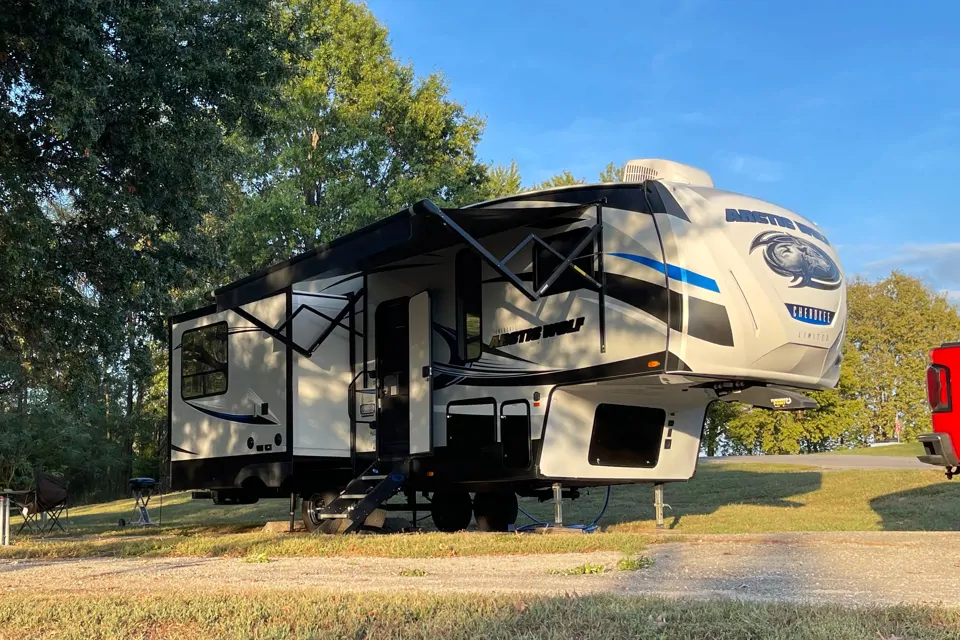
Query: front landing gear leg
x=557 y=504
x=658 y=504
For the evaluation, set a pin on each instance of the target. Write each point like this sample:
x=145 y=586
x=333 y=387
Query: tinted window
x=469 y=304
x=203 y=361
x=625 y=436
x=545 y=261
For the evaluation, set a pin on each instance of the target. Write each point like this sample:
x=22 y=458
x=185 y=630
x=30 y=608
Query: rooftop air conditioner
x=666 y=170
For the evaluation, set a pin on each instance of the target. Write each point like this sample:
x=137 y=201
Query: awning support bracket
x=334 y=322
x=500 y=266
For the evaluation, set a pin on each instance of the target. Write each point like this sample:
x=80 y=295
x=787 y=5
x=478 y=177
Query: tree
x=562 y=179
x=612 y=173
x=502 y=181
x=360 y=137
x=113 y=148
x=891 y=326
x=749 y=430
x=719 y=414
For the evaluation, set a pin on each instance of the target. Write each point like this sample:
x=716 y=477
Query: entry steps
x=364 y=495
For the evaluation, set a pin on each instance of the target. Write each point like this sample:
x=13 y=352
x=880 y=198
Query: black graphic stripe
x=709 y=321
x=646 y=296
x=182 y=450
x=651 y=363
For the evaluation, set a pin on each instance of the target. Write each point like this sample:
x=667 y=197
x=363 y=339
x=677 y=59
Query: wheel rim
x=316 y=504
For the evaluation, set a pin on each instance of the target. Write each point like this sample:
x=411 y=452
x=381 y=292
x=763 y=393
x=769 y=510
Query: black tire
x=451 y=510
x=495 y=510
x=311 y=505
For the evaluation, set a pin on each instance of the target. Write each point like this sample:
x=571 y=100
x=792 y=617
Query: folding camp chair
x=49 y=496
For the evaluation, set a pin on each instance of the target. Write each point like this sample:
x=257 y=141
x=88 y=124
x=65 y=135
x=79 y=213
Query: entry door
x=420 y=373
x=393 y=378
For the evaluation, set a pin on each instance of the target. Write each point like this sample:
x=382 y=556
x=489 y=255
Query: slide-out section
x=228 y=395
x=320 y=410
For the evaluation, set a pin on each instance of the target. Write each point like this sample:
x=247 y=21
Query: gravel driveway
x=849 y=568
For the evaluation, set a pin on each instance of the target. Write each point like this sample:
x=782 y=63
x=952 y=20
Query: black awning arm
x=270 y=331
x=602 y=300
x=279 y=335
x=500 y=266
x=560 y=268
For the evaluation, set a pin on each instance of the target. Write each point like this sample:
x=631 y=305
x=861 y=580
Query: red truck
x=942 y=447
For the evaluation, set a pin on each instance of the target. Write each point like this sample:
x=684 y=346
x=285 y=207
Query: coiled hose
x=586 y=528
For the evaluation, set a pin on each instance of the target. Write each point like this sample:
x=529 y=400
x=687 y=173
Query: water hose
x=586 y=528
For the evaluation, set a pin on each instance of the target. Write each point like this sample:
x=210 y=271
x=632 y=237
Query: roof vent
x=666 y=170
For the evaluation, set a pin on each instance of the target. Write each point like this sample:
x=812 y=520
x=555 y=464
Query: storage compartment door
x=421 y=365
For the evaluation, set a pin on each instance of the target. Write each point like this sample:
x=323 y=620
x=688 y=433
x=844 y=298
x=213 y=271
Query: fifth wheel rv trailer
x=571 y=336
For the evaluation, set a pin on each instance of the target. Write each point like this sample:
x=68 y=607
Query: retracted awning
x=419 y=229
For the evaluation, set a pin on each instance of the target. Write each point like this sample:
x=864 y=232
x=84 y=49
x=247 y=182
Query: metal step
x=353 y=496
x=333 y=516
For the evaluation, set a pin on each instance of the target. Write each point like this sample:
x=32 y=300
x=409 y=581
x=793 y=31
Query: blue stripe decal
x=674 y=272
x=232 y=417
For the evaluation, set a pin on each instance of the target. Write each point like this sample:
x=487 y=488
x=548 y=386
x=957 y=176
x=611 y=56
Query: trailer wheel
x=495 y=511
x=451 y=510
x=311 y=508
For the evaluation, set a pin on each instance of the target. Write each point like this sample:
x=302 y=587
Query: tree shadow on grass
x=711 y=489
x=932 y=508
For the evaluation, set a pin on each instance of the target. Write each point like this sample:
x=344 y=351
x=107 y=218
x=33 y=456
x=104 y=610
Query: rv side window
x=203 y=361
x=469 y=303
x=626 y=436
x=544 y=262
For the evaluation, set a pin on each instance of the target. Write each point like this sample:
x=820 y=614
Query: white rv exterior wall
x=321 y=422
x=321 y=419
x=256 y=374
x=770 y=344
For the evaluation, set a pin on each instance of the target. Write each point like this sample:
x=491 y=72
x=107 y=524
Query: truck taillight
x=938 y=388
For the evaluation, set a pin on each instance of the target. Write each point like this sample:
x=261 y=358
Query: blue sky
x=845 y=112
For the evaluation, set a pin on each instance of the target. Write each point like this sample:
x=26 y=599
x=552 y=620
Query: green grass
x=315 y=614
x=412 y=573
x=256 y=558
x=906 y=450
x=582 y=570
x=775 y=498
x=634 y=564
x=720 y=499
x=210 y=543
